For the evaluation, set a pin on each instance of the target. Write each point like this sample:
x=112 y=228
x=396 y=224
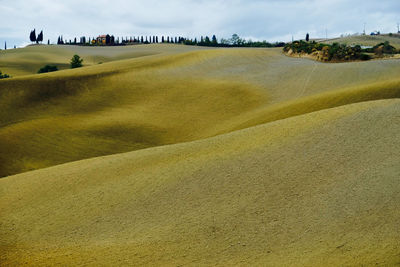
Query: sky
x=270 y=20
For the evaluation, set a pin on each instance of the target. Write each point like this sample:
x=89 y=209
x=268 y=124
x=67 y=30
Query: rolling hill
x=367 y=40
x=177 y=155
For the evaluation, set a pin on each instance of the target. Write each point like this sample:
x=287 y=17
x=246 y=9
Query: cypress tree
x=39 y=37
x=307 y=37
x=32 y=36
x=214 y=40
x=5 y=45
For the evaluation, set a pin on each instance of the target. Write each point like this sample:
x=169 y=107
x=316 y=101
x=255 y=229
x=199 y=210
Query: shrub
x=365 y=57
x=384 y=48
x=48 y=68
x=76 y=62
x=4 y=76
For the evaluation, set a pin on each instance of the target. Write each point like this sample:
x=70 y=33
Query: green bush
x=76 y=62
x=4 y=76
x=48 y=68
x=329 y=52
x=365 y=57
x=384 y=48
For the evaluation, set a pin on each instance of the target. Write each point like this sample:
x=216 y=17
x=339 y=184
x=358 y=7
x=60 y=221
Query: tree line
x=111 y=40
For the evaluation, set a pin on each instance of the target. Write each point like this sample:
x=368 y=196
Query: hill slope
x=170 y=97
x=317 y=189
x=367 y=40
x=187 y=156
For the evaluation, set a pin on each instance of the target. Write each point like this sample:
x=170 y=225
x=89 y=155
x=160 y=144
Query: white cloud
x=272 y=20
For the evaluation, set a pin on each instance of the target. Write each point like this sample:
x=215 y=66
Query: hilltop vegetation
x=339 y=52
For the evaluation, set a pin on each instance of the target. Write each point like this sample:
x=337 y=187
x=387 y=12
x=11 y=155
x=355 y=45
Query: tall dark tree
x=75 y=40
x=214 y=40
x=48 y=42
x=162 y=39
x=39 y=38
x=157 y=39
x=141 y=39
x=168 y=39
x=307 y=37
x=5 y=45
x=108 y=39
x=32 y=36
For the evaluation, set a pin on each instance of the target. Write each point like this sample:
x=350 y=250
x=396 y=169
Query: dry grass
x=367 y=40
x=308 y=190
x=168 y=98
x=314 y=182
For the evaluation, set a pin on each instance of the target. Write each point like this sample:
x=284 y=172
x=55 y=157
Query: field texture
x=177 y=155
x=367 y=40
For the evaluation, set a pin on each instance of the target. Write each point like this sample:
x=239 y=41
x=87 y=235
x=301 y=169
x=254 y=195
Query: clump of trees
x=76 y=62
x=4 y=76
x=34 y=38
x=327 y=52
x=48 y=68
x=383 y=48
x=234 y=41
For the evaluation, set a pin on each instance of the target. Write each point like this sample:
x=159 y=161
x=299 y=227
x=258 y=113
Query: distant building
x=105 y=40
x=102 y=39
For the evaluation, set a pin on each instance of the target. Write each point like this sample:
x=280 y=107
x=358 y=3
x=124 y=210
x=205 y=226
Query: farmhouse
x=105 y=40
x=102 y=39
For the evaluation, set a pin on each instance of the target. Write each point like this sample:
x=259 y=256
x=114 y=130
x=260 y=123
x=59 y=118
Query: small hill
x=367 y=40
x=317 y=189
x=29 y=60
x=169 y=98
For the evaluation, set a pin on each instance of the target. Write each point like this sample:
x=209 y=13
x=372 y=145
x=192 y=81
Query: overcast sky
x=270 y=20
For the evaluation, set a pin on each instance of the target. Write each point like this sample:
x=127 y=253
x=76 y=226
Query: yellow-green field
x=367 y=40
x=178 y=155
